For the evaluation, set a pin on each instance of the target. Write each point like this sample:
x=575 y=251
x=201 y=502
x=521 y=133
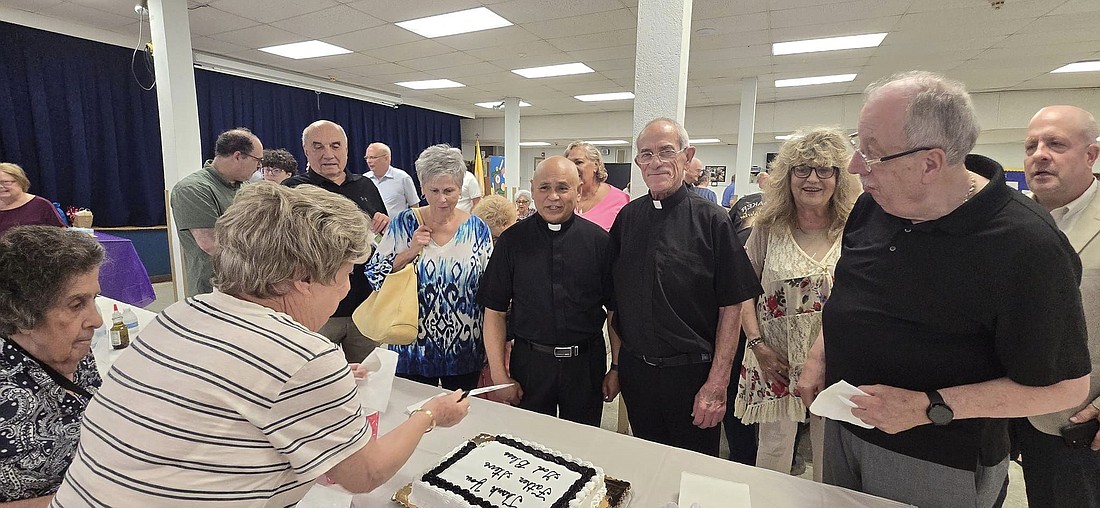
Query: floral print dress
x=796 y=287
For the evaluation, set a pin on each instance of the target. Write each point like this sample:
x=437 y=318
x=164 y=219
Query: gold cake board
x=616 y=497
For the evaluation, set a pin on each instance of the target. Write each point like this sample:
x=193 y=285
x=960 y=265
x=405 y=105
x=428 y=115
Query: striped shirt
x=219 y=402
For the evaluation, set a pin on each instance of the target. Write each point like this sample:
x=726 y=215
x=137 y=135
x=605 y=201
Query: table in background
x=652 y=469
x=101 y=344
x=122 y=275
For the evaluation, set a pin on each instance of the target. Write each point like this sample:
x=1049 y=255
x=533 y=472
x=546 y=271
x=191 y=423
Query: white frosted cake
x=509 y=473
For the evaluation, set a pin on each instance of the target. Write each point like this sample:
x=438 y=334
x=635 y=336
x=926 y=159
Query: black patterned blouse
x=39 y=423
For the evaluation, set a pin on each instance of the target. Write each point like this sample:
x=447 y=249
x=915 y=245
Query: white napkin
x=320 y=496
x=706 y=492
x=835 y=403
x=374 y=390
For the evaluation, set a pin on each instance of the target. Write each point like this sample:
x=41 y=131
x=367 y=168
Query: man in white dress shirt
x=395 y=185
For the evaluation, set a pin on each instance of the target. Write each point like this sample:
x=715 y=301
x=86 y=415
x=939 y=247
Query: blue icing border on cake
x=432 y=476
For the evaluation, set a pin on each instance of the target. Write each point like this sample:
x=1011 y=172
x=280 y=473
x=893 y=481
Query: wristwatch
x=938 y=410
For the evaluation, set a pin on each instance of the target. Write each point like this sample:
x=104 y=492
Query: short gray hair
x=318 y=123
x=273 y=235
x=681 y=132
x=441 y=160
x=938 y=114
x=37 y=265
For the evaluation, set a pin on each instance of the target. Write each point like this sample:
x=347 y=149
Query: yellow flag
x=479 y=167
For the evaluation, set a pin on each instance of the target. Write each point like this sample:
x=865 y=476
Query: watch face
x=940 y=414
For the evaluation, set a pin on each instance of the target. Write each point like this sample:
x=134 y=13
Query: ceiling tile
x=90 y=16
x=411 y=10
x=596 y=40
x=336 y=20
x=256 y=37
x=373 y=38
x=581 y=25
x=505 y=36
x=266 y=11
x=525 y=11
x=411 y=50
x=430 y=63
x=32 y=5
x=208 y=21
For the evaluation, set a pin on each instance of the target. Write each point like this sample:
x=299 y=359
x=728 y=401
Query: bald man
x=1060 y=153
x=697 y=177
x=552 y=270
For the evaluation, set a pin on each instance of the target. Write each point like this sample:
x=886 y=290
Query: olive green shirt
x=197 y=202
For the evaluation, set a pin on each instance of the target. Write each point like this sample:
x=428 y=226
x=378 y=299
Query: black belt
x=673 y=361
x=558 y=351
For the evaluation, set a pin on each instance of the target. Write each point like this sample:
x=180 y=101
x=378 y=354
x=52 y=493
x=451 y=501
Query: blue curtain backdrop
x=73 y=117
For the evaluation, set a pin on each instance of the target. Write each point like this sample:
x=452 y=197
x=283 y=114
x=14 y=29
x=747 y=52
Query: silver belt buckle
x=566 y=351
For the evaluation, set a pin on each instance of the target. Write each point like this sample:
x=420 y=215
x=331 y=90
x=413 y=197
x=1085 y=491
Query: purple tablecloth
x=123 y=276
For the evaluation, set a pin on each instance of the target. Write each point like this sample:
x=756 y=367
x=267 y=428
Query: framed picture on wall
x=717 y=174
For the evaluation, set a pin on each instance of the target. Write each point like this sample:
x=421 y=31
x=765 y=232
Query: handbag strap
x=419 y=222
x=57 y=377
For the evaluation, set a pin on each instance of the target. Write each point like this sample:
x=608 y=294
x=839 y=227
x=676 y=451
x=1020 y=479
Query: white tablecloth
x=652 y=469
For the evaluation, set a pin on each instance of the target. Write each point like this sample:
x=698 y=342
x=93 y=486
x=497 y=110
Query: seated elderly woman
x=232 y=397
x=19 y=207
x=525 y=204
x=49 y=278
x=497 y=213
x=450 y=248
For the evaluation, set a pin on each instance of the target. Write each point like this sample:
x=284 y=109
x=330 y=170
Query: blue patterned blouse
x=449 y=341
x=39 y=423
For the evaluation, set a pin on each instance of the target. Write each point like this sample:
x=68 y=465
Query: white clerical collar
x=657 y=204
x=553 y=227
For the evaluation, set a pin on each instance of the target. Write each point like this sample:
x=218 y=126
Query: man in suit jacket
x=1061 y=148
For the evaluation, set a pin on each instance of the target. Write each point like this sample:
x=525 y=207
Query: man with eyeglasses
x=395 y=185
x=695 y=176
x=198 y=199
x=325 y=144
x=955 y=307
x=680 y=277
x=1060 y=151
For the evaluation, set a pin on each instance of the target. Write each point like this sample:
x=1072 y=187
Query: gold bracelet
x=430 y=415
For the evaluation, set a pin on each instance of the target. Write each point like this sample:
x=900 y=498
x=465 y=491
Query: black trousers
x=463 y=381
x=659 y=401
x=570 y=388
x=1056 y=475
x=741 y=437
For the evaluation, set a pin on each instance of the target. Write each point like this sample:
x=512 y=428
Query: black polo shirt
x=987 y=291
x=672 y=268
x=364 y=193
x=557 y=282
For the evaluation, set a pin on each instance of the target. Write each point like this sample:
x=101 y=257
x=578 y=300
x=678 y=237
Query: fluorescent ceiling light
x=554 y=70
x=430 y=84
x=533 y=143
x=613 y=96
x=608 y=142
x=306 y=49
x=704 y=141
x=815 y=80
x=471 y=20
x=1089 y=66
x=828 y=44
x=498 y=105
x=785 y=137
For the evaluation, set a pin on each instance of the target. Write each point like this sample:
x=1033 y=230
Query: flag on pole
x=479 y=167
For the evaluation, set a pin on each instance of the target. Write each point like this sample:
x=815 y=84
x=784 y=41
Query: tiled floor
x=1016 y=497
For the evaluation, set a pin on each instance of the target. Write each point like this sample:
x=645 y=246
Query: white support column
x=661 y=67
x=745 y=131
x=179 y=110
x=512 y=163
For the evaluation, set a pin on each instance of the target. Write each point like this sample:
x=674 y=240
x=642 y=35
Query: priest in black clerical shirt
x=552 y=269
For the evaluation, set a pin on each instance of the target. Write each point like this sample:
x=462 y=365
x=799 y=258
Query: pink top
x=607 y=209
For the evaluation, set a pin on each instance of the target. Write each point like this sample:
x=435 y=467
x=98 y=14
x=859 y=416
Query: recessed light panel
x=1089 y=66
x=814 y=80
x=614 y=96
x=498 y=105
x=599 y=142
x=533 y=143
x=828 y=44
x=471 y=20
x=704 y=141
x=306 y=49
x=430 y=84
x=554 y=70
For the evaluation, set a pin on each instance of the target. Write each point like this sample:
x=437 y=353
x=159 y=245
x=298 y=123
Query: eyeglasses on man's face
x=823 y=173
x=854 y=139
x=647 y=157
x=259 y=160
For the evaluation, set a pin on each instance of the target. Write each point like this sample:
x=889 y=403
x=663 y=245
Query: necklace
x=970 y=191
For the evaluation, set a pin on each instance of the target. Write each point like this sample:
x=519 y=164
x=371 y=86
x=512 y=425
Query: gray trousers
x=343 y=332
x=853 y=463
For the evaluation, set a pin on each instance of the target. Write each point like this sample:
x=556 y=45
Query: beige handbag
x=391 y=315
